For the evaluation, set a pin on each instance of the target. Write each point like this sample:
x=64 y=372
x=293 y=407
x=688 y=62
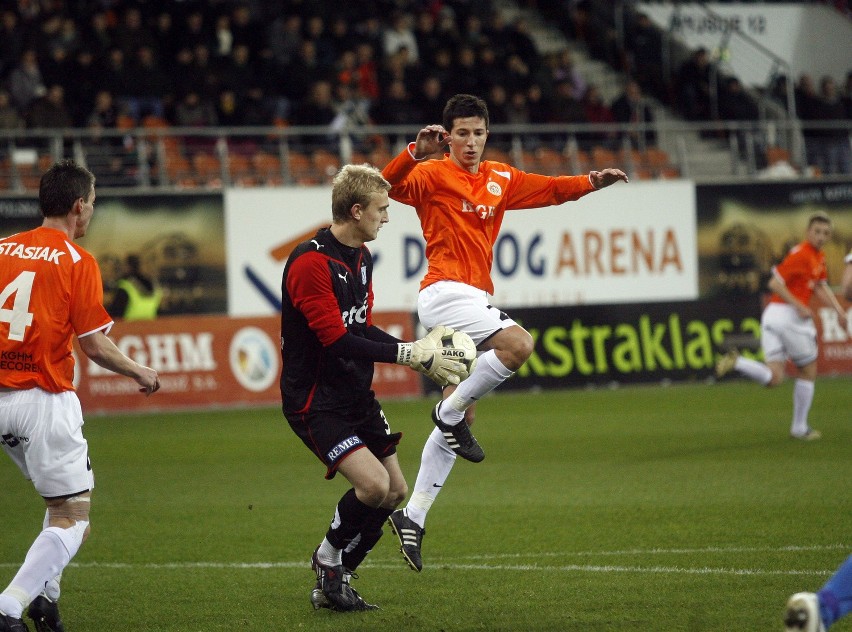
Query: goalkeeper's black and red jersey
x=326 y=293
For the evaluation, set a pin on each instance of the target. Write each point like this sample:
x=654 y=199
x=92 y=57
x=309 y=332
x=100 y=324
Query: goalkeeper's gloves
x=428 y=356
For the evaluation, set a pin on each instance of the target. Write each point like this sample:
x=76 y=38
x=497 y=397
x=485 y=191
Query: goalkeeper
x=328 y=347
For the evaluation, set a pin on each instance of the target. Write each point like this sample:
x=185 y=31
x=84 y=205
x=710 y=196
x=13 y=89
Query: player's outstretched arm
x=601 y=179
x=442 y=364
x=102 y=351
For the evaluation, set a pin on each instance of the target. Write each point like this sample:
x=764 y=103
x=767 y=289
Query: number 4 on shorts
x=18 y=317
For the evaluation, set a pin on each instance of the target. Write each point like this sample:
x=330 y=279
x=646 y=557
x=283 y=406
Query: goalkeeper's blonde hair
x=354 y=184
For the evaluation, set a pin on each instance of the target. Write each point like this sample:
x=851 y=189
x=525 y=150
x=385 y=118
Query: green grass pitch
x=643 y=508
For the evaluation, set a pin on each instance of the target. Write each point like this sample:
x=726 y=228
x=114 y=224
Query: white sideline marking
x=589 y=568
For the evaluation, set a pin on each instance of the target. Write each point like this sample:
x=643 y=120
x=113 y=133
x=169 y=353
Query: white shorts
x=461 y=307
x=785 y=334
x=43 y=433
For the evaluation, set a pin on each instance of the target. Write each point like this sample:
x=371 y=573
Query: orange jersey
x=461 y=212
x=801 y=270
x=50 y=289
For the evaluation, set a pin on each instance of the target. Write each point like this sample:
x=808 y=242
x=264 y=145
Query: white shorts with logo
x=785 y=334
x=461 y=307
x=43 y=433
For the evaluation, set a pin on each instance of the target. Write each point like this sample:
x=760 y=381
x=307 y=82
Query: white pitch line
x=567 y=568
x=561 y=568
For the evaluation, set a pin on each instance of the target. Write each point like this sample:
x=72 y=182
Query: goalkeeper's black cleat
x=319 y=600
x=330 y=581
x=459 y=438
x=410 y=536
x=45 y=615
x=10 y=624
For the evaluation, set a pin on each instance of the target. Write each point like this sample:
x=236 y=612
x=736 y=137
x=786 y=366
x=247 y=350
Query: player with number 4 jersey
x=50 y=291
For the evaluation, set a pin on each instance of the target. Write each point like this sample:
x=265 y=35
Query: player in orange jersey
x=51 y=290
x=787 y=325
x=461 y=200
x=846 y=282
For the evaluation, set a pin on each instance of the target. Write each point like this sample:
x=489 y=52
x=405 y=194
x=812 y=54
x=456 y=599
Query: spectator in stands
x=428 y=39
x=50 y=111
x=207 y=73
x=131 y=34
x=244 y=27
x=283 y=38
x=598 y=112
x=165 y=36
x=12 y=41
x=55 y=67
x=113 y=75
x=779 y=92
x=98 y=35
x=847 y=95
x=395 y=106
x=194 y=110
x=146 y=84
x=631 y=107
x=368 y=73
x=467 y=79
x=400 y=35
x=316 y=110
x=490 y=67
x=80 y=93
x=518 y=76
x=340 y=37
x=257 y=108
x=228 y=109
x=431 y=98
x=315 y=32
x=644 y=45
x=238 y=73
x=223 y=38
x=10 y=119
x=304 y=69
x=25 y=81
x=828 y=147
x=105 y=112
x=693 y=86
x=736 y=105
x=562 y=68
x=520 y=41
x=194 y=32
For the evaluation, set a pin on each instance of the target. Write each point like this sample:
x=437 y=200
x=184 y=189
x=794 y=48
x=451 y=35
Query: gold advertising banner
x=214 y=361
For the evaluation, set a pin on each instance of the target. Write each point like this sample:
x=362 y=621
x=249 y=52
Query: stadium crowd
x=112 y=63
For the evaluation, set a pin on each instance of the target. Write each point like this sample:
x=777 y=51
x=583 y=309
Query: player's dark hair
x=819 y=216
x=464 y=106
x=62 y=185
x=354 y=184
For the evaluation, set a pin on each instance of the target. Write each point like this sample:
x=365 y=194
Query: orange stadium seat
x=267 y=168
x=208 y=169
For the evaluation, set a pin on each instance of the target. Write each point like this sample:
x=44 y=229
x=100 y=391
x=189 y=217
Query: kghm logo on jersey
x=482 y=210
x=254 y=359
x=494 y=188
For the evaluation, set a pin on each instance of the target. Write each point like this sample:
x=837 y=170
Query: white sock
x=803 y=396
x=48 y=555
x=329 y=555
x=488 y=375
x=435 y=466
x=754 y=370
x=51 y=590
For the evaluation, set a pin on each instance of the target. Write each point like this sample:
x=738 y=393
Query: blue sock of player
x=363 y=543
x=835 y=598
x=349 y=517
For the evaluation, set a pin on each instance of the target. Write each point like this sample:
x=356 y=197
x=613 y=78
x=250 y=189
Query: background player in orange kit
x=460 y=201
x=787 y=325
x=51 y=290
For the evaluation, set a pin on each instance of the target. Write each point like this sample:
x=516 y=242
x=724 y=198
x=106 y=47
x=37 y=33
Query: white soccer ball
x=459 y=346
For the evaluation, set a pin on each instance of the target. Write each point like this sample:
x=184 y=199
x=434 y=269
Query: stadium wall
x=636 y=283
